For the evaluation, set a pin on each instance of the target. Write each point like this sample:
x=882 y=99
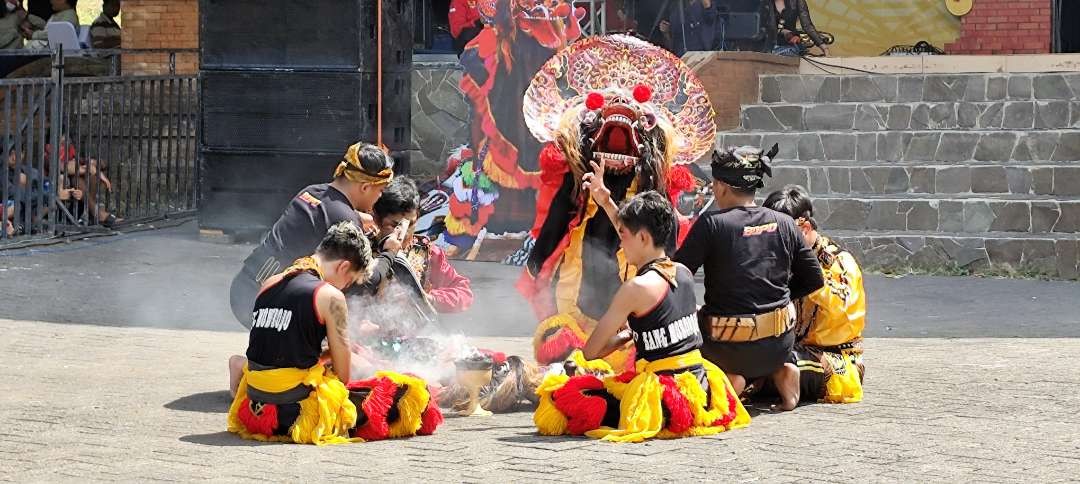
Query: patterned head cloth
x=618 y=64
x=743 y=167
x=351 y=168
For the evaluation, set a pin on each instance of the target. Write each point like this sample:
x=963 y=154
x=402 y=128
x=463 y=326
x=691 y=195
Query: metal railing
x=89 y=154
x=113 y=58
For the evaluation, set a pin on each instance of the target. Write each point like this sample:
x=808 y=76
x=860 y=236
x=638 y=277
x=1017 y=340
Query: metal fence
x=90 y=154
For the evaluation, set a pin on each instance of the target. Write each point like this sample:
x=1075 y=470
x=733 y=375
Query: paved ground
x=136 y=393
x=169 y=278
x=93 y=403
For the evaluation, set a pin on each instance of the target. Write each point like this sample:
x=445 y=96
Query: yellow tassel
x=641 y=414
x=411 y=406
x=845 y=384
x=548 y=419
x=325 y=416
x=592 y=366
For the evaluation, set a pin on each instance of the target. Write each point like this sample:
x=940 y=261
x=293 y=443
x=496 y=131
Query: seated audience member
x=788 y=15
x=63 y=11
x=12 y=18
x=105 y=32
x=828 y=347
x=674 y=391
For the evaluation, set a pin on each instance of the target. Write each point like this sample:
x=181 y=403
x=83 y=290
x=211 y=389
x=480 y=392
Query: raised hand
x=594 y=183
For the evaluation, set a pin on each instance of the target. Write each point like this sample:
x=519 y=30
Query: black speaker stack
x=286 y=87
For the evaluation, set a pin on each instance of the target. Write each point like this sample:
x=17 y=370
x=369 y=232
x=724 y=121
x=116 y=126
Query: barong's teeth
x=618 y=118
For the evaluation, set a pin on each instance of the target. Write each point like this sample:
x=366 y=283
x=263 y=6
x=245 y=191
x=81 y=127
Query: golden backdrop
x=869 y=27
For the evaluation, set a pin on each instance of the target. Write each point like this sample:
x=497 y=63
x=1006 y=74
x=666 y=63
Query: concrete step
x=1052 y=255
x=904 y=88
x=948 y=179
x=917 y=145
x=969 y=214
x=878 y=116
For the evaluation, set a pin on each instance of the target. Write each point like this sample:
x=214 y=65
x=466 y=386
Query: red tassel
x=681 y=418
x=376 y=406
x=262 y=422
x=431 y=419
x=730 y=415
x=497 y=357
x=594 y=101
x=680 y=180
x=558 y=347
x=642 y=93
x=583 y=412
x=625 y=376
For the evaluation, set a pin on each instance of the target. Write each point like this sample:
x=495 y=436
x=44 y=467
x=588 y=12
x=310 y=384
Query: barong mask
x=622 y=101
x=743 y=167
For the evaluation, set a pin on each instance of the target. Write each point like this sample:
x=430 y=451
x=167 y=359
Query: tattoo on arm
x=338 y=314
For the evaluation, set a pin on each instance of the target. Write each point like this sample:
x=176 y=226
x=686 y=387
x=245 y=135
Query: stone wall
x=731 y=79
x=1005 y=27
x=440 y=114
x=160 y=24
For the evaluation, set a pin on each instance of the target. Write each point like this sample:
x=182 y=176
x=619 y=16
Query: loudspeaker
x=286 y=86
x=299 y=35
x=315 y=112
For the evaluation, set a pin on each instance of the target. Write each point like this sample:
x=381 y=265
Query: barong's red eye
x=642 y=93
x=594 y=101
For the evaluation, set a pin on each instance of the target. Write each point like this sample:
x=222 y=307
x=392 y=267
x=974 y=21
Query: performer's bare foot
x=236 y=370
x=786 y=380
x=738 y=382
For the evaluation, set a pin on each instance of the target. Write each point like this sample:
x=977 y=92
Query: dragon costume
x=636 y=108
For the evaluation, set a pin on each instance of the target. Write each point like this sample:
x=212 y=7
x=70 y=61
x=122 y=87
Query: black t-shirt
x=299 y=229
x=286 y=331
x=755 y=261
x=671 y=328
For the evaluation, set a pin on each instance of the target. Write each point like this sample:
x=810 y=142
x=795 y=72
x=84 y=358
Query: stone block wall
x=731 y=79
x=1005 y=27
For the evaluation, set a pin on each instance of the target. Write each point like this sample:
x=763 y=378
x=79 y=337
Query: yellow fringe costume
x=326 y=415
x=830 y=326
x=575 y=405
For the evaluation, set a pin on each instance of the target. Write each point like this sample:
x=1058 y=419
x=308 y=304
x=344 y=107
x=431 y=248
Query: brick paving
x=91 y=403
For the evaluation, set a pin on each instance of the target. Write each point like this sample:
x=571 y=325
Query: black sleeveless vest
x=670 y=328
x=285 y=330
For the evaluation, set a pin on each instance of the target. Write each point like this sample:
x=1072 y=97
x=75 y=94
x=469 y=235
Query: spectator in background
x=788 y=15
x=693 y=26
x=12 y=17
x=63 y=11
x=105 y=32
x=464 y=23
x=619 y=18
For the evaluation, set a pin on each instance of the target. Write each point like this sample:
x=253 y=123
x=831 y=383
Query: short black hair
x=649 y=211
x=374 y=159
x=345 y=241
x=400 y=196
x=793 y=201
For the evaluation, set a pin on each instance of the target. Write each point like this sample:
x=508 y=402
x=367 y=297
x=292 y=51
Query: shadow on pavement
x=222 y=439
x=535 y=438
x=206 y=402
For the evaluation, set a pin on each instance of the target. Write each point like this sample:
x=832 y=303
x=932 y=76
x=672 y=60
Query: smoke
x=403 y=341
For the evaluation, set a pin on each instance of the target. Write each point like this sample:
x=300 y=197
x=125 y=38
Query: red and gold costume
x=639 y=110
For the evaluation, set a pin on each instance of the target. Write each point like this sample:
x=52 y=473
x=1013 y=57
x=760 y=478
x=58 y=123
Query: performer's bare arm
x=611 y=332
x=335 y=314
x=594 y=183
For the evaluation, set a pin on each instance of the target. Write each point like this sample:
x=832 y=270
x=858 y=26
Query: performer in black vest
x=673 y=391
x=756 y=263
x=358 y=181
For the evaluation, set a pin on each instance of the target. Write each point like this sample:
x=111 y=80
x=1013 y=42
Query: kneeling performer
x=828 y=346
x=286 y=393
x=673 y=391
